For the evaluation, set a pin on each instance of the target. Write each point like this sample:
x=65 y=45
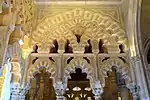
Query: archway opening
x=41 y=87
x=115 y=87
x=79 y=87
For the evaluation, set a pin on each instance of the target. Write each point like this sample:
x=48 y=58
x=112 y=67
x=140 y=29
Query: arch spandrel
x=78 y=21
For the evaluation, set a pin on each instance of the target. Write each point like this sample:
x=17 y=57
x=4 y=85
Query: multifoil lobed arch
x=88 y=24
x=81 y=63
x=40 y=63
x=119 y=65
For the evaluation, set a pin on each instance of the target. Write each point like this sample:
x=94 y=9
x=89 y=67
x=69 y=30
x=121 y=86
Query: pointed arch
x=120 y=67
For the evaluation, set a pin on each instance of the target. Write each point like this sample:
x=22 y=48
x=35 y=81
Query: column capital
x=134 y=89
x=97 y=90
x=60 y=90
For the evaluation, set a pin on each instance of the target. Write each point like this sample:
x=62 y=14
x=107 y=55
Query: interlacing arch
x=120 y=67
x=40 y=63
x=81 y=22
x=81 y=63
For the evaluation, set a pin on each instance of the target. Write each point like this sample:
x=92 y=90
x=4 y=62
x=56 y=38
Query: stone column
x=97 y=90
x=124 y=93
x=134 y=89
x=95 y=50
x=139 y=78
x=60 y=64
x=60 y=90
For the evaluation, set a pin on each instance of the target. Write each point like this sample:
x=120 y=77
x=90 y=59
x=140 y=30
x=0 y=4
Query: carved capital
x=134 y=89
x=60 y=90
x=97 y=89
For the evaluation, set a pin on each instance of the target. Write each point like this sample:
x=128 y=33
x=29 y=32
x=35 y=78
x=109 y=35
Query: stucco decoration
x=40 y=63
x=86 y=24
x=120 y=67
x=79 y=62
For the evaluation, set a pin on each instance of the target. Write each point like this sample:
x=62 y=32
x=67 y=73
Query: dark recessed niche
x=148 y=56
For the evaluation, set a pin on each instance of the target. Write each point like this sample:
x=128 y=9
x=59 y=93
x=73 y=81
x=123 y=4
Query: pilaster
x=139 y=77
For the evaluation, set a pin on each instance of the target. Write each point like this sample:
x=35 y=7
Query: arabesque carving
x=40 y=63
x=87 y=24
x=120 y=67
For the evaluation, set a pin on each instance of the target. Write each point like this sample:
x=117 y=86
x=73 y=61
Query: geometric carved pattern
x=120 y=67
x=88 y=24
x=40 y=63
x=81 y=63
